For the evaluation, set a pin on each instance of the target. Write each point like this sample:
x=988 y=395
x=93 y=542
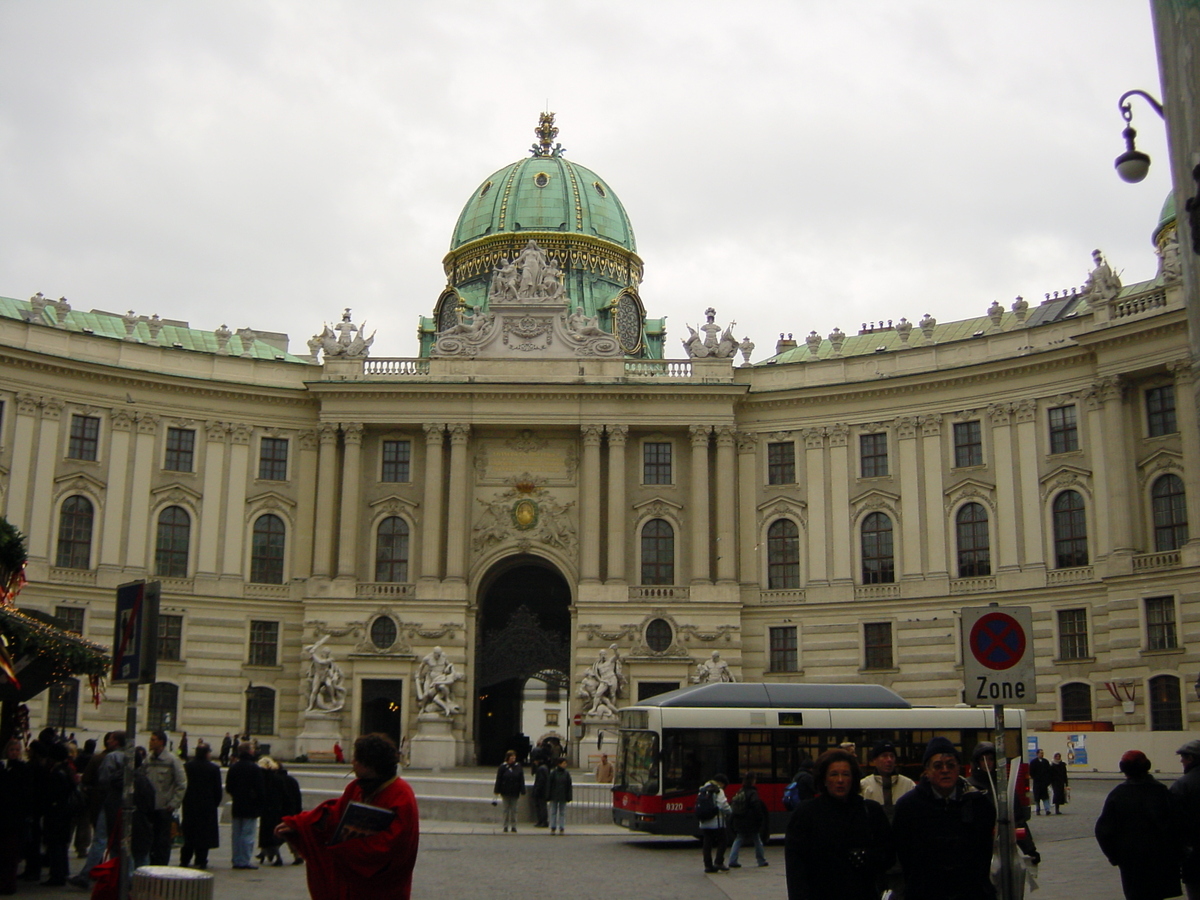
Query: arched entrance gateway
x=522 y=655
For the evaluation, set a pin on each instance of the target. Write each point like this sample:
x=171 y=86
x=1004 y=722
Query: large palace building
x=542 y=482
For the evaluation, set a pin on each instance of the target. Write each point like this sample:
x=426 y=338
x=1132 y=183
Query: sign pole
x=1003 y=818
x=127 y=801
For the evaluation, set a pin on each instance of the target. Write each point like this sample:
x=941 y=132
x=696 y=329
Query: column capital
x=814 y=438
x=1000 y=413
x=27 y=404
x=460 y=433
x=327 y=433
x=931 y=424
x=1025 y=411
x=726 y=435
x=147 y=423
x=434 y=432
x=592 y=435
x=241 y=433
x=699 y=434
x=747 y=441
x=308 y=439
x=215 y=431
x=1182 y=370
x=839 y=434
x=52 y=408
x=906 y=427
x=122 y=420
x=617 y=435
x=352 y=432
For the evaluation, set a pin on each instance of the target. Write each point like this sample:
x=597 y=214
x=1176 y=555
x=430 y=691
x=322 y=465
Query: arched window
x=171 y=550
x=164 y=705
x=783 y=555
x=1076 y=702
x=75 y=533
x=658 y=552
x=1166 y=707
x=391 y=550
x=1170 y=513
x=260 y=711
x=266 y=550
x=1070 y=531
x=974 y=554
x=878 y=561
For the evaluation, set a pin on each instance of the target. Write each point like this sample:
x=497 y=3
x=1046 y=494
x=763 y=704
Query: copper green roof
x=544 y=193
x=1166 y=216
x=170 y=334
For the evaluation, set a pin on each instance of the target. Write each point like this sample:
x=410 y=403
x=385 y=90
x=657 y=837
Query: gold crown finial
x=546 y=133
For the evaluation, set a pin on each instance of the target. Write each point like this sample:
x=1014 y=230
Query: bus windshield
x=637 y=763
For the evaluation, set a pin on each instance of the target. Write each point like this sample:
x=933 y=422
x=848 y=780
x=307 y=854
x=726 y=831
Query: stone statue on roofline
x=1102 y=283
x=710 y=346
x=345 y=340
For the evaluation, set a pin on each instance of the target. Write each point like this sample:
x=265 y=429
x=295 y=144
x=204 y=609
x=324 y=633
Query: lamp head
x=1132 y=165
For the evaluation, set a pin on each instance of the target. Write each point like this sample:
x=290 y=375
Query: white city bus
x=672 y=743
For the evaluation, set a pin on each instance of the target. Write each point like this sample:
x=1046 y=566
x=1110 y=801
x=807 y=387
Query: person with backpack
x=712 y=810
x=802 y=787
x=748 y=817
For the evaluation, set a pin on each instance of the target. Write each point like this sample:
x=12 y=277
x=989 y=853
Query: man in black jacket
x=943 y=830
x=1186 y=791
x=246 y=784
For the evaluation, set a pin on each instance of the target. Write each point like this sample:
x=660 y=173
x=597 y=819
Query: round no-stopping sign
x=997 y=641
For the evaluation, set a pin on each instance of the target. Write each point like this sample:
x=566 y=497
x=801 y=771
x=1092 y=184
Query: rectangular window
x=877 y=645
x=874 y=452
x=1072 y=634
x=260 y=711
x=968 y=444
x=181 y=450
x=71 y=616
x=62 y=704
x=264 y=643
x=272 y=459
x=1160 y=623
x=1160 y=410
x=656 y=462
x=170 y=637
x=783 y=649
x=1064 y=432
x=85 y=438
x=781 y=463
x=397 y=457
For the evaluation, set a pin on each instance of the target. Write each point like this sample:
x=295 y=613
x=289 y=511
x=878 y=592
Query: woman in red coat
x=377 y=861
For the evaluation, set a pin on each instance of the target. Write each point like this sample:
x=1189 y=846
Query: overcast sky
x=797 y=165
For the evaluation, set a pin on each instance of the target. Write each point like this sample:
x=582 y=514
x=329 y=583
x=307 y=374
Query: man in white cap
x=1187 y=794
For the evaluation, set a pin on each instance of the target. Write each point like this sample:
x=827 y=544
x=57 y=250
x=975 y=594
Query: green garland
x=12 y=559
x=72 y=654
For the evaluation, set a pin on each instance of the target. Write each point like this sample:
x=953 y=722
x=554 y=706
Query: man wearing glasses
x=943 y=831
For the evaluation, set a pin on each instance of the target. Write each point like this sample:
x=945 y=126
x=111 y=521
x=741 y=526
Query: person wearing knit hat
x=943 y=830
x=1140 y=833
x=885 y=786
x=1186 y=791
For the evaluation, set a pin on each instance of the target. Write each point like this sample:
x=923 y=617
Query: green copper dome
x=1166 y=216
x=574 y=217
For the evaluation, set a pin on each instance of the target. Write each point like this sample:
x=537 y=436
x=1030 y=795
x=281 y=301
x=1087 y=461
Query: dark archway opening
x=524 y=628
x=380 y=710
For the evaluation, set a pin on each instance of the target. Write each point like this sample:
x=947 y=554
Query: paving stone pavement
x=478 y=862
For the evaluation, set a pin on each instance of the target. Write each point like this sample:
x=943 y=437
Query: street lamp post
x=1133 y=164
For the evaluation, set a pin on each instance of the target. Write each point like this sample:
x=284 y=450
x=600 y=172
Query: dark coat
x=247 y=786
x=558 y=785
x=1186 y=791
x=945 y=845
x=1039 y=774
x=748 y=816
x=540 y=775
x=143 y=811
x=55 y=801
x=510 y=780
x=836 y=849
x=202 y=805
x=273 y=808
x=1058 y=783
x=1139 y=831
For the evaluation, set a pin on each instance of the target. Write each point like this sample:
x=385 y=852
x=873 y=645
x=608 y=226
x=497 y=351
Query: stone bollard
x=171 y=883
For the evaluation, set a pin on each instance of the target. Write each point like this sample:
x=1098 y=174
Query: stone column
x=1099 y=443
x=814 y=475
x=1000 y=530
x=350 y=493
x=1189 y=439
x=212 y=519
x=589 y=504
x=456 y=511
x=1029 y=488
x=1111 y=393
x=841 y=476
x=935 y=515
x=234 y=527
x=49 y=451
x=749 y=561
x=431 y=531
x=306 y=481
x=618 y=436
x=145 y=458
x=327 y=505
x=699 y=502
x=727 y=514
x=24 y=432
x=910 y=490
x=116 y=492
